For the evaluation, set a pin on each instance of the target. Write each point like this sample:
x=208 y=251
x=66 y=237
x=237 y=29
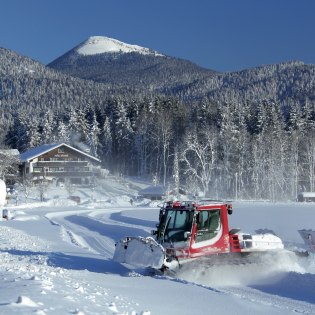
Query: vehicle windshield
x=174 y=225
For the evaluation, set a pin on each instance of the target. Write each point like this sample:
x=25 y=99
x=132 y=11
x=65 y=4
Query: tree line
x=228 y=150
x=246 y=134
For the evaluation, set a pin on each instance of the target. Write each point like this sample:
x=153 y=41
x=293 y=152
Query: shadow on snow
x=117 y=216
x=72 y=262
x=113 y=231
x=292 y=285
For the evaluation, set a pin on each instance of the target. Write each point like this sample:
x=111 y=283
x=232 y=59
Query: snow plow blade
x=140 y=252
x=308 y=238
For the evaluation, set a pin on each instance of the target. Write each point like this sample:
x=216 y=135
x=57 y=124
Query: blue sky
x=224 y=35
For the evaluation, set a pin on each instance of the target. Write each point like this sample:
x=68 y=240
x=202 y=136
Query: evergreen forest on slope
x=246 y=134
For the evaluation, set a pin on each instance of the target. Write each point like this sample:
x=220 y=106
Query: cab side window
x=209 y=223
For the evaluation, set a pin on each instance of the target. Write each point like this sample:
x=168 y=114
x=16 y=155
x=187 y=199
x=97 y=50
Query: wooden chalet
x=60 y=163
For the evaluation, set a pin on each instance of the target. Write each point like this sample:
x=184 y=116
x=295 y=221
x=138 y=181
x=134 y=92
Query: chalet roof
x=38 y=151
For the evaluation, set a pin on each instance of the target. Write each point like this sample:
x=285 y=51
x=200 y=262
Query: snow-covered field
x=56 y=258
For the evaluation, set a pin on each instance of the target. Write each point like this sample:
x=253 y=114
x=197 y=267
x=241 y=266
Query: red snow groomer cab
x=189 y=230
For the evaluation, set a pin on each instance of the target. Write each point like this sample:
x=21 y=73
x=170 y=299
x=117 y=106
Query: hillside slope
x=121 y=66
x=118 y=64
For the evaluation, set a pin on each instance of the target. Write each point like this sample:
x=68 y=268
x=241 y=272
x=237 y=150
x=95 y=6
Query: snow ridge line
x=179 y=280
x=251 y=295
x=68 y=234
x=277 y=301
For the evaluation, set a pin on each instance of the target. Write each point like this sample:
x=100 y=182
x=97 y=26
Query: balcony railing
x=65 y=174
x=60 y=163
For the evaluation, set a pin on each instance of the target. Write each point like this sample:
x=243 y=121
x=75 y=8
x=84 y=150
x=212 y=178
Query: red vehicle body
x=190 y=230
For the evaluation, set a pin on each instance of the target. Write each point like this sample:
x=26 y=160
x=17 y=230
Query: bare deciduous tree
x=200 y=156
x=26 y=185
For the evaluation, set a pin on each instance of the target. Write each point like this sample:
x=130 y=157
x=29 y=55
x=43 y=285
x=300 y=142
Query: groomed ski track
x=97 y=230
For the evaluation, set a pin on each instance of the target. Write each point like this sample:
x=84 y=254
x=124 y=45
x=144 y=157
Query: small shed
x=153 y=192
x=306 y=196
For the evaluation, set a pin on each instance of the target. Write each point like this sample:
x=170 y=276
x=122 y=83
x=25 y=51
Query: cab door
x=209 y=235
x=208 y=225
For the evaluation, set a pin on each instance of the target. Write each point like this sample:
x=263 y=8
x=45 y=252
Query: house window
x=69 y=169
x=56 y=169
x=37 y=169
x=61 y=150
x=83 y=169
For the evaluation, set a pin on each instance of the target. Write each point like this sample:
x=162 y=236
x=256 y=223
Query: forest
x=247 y=151
x=246 y=135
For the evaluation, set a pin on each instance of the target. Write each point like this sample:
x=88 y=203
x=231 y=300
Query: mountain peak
x=101 y=44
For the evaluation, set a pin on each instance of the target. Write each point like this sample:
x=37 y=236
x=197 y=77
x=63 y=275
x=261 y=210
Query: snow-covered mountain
x=141 y=70
x=101 y=45
x=122 y=65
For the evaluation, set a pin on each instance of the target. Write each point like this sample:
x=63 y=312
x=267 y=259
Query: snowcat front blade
x=140 y=252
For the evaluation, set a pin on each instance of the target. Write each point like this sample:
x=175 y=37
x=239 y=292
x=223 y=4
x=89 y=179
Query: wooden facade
x=60 y=163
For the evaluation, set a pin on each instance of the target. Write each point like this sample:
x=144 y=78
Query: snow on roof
x=35 y=152
x=307 y=194
x=100 y=44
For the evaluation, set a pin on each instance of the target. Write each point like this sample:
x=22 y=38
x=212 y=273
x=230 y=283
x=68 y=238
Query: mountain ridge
x=132 y=73
x=133 y=68
x=188 y=81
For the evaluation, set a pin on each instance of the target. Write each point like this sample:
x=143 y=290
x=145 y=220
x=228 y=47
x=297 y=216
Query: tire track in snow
x=98 y=235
